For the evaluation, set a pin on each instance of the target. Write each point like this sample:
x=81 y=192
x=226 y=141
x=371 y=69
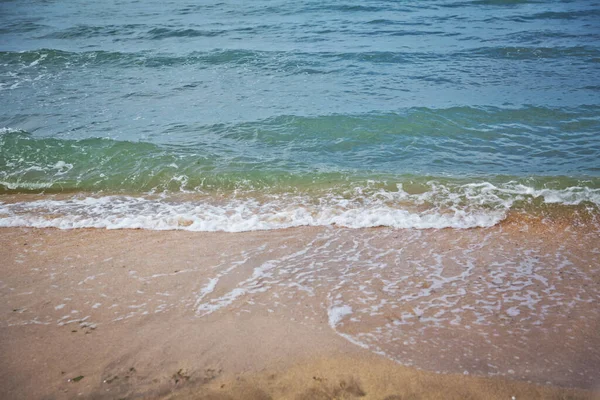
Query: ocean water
x=241 y=116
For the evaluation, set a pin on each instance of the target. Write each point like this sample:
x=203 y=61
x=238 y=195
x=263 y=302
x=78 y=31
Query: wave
x=163 y=33
x=283 y=61
x=533 y=52
x=12 y=27
x=285 y=152
x=234 y=187
x=591 y=13
x=495 y=3
x=10 y=130
x=90 y=31
x=116 y=212
x=473 y=205
x=131 y=31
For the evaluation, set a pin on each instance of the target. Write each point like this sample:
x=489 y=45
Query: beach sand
x=306 y=313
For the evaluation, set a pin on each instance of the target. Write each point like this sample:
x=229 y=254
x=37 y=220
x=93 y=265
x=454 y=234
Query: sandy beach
x=222 y=200
x=142 y=314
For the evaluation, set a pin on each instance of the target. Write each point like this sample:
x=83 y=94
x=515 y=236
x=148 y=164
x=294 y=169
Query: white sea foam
x=502 y=195
x=441 y=206
x=26 y=185
x=122 y=212
x=8 y=130
x=569 y=196
x=337 y=313
x=206 y=290
x=62 y=167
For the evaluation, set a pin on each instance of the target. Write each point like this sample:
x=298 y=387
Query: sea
x=240 y=116
x=421 y=178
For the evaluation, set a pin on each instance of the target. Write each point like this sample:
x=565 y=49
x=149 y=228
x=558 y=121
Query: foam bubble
x=123 y=212
x=4 y=131
x=473 y=205
x=337 y=313
x=26 y=185
x=62 y=167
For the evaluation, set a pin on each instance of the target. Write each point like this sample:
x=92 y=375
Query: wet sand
x=301 y=313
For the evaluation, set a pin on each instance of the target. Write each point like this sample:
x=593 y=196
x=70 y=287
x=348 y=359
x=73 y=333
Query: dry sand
x=139 y=314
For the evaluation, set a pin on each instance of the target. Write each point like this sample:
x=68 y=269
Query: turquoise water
x=311 y=113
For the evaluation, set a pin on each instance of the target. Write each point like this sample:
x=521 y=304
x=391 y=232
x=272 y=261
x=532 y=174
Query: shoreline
x=212 y=309
x=481 y=205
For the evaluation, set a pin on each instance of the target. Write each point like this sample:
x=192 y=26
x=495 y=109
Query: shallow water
x=517 y=300
x=307 y=101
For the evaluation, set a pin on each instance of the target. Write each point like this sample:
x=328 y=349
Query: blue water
x=310 y=98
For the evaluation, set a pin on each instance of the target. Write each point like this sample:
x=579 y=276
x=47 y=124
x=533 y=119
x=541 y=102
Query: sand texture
x=308 y=313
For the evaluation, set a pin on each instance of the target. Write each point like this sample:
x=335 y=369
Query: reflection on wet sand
x=518 y=300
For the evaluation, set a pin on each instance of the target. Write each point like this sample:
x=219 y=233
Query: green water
x=385 y=107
